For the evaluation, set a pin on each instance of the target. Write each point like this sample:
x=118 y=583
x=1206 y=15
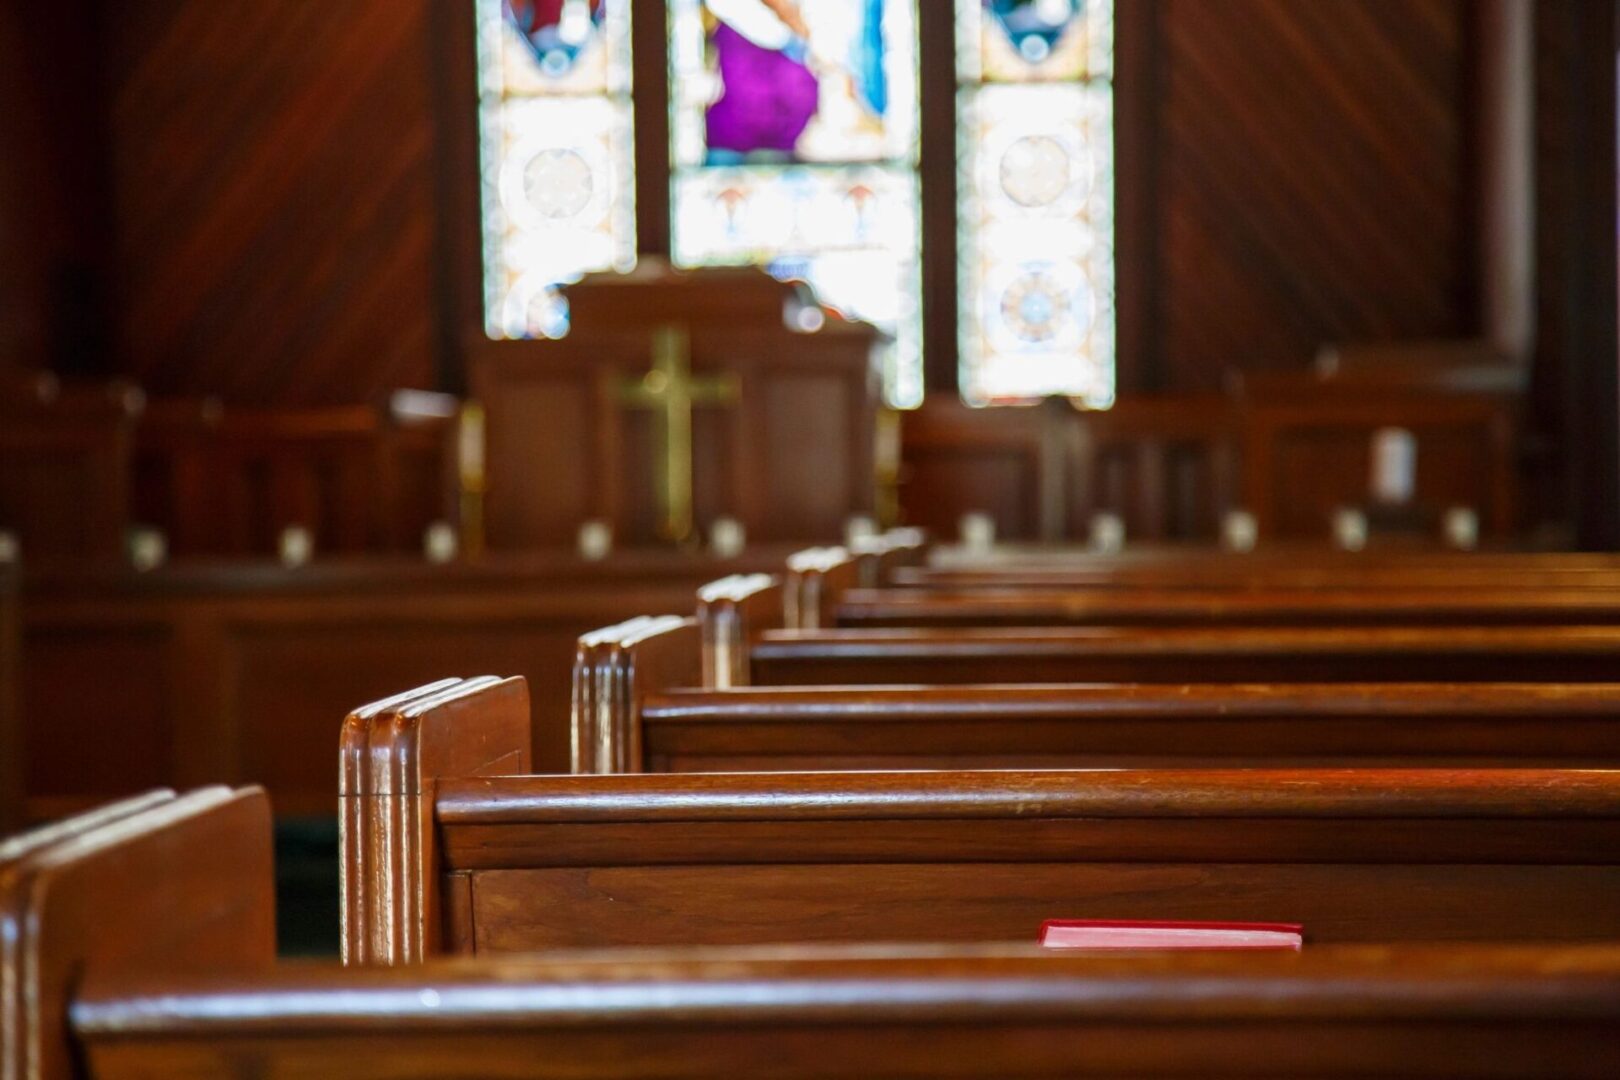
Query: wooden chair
x=519 y=863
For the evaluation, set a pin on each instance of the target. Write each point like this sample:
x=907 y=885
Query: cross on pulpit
x=671 y=392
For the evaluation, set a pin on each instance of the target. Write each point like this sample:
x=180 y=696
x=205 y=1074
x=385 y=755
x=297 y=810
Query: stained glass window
x=557 y=138
x=795 y=147
x=1035 y=237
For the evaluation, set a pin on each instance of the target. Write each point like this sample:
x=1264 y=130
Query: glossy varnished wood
x=769 y=729
x=1363 y=855
x=1187 y=654
x=1145 y=606
x=181 y=884
x=391 y=755
x=995 y=1012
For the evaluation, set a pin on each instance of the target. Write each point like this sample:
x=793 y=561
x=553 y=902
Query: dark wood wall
x=54 y=208
x=292 y=190
x=1308 y=171
x=275 y=196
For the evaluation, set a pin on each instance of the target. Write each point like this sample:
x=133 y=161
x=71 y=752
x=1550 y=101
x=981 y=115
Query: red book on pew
x=1139 y=934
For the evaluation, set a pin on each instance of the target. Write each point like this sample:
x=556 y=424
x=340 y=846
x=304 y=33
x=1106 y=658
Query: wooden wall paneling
x=1311 y=179
x=55 y=207
x=275 y=193
x=1574 y=393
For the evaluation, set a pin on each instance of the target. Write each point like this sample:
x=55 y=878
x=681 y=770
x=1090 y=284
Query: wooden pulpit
x=679 y=398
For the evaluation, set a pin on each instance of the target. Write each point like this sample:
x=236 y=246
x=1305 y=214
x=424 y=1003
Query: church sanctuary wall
x=288 y=196
x=54 y=214
x=1308 y=165
x=274 y=175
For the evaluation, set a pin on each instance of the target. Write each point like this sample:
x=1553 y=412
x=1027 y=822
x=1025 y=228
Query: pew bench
x=836 y=1013
x=639 y=706
x=446 y=851
x=142 y=939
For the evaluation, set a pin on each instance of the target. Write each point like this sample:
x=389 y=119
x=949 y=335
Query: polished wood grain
x=1143 y=606
x=183 y=884
x=142 y=949
x=278 y=210
x=1280 y=568
x=1186 y=654
x=996 y=1012
x=773 y=729
x=1356 y=855
x=391 y=754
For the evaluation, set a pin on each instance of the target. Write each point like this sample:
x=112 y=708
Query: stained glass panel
x=795 y=145
x=1036 y=201
x=557 y=154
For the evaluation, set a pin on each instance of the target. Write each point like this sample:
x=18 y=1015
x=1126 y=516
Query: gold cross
x=671 y=392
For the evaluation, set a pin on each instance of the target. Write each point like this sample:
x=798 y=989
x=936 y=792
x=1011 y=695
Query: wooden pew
x=1285 y=568
x=851 y=1015
x=518 y=863
x=1182 y=654
x=1144 y=606
x=143 y=951
x=180 y=883
x=640 y=707
x=1176 y=654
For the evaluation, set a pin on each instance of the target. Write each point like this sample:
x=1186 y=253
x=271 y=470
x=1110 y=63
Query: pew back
x=157 y=883
x=446 y=851
x=1183 y=654
x=651 y=716
x=983 y=1013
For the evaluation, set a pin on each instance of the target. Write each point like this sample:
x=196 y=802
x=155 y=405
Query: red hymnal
x=1136 y=934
